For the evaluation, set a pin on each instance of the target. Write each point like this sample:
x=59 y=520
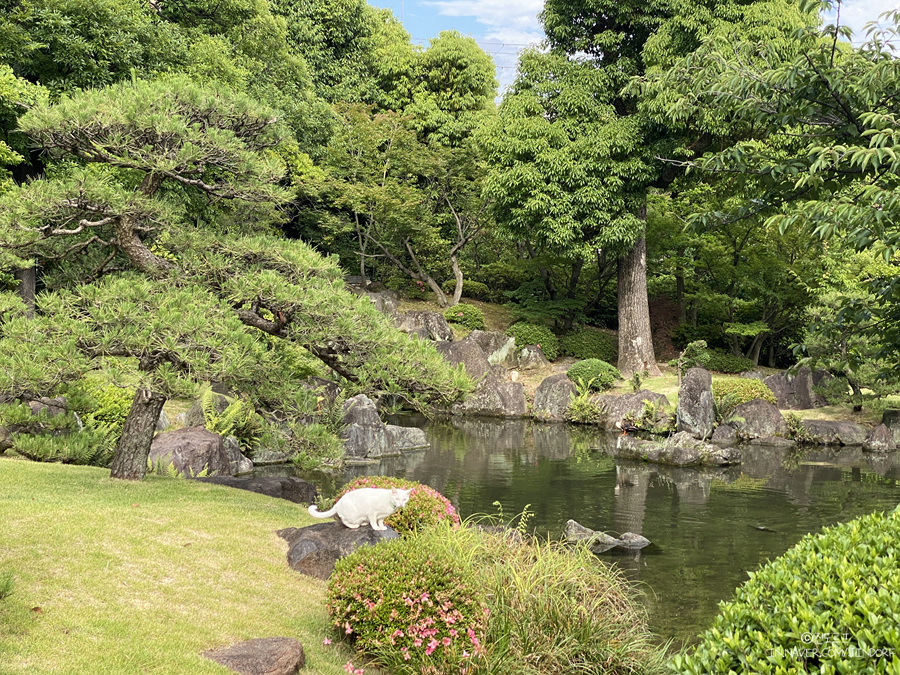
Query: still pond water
x=708 y=527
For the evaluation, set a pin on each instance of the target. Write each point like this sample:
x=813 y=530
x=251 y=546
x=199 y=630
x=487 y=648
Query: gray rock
x=891 y=419
x=696 y=412
x=680 y=449
x=236 y=459
x=267 y=457
x=531 y=357
x=724 y=435
x=6 y=440
x=181 y=419
x=500 y=349
x=427 y=325
x=773 y=441
x=617 y=407
x=289 y=488
x=575 y=533
x=467 y=352
x=315 y=549
x=163 y=422
x=386 y=302
x=54 y=407
x=552 y=398
x=191 y=451
x=261 y=656
x=408 y=438
x=832 y=432
x=365 y=435
x=795 y=392
x=493 y=398
x=757 y=419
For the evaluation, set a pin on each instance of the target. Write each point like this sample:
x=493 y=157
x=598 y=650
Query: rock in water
x=696 y=412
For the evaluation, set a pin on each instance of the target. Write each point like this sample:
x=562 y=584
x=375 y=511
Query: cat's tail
x=315 y=513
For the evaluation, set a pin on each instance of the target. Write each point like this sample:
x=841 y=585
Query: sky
x=504 y=27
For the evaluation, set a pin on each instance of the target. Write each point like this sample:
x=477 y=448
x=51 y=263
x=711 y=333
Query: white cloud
x=857 y=13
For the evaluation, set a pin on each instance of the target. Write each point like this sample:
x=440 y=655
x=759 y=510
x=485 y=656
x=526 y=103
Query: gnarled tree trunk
x=133 y=450
x=635 y=339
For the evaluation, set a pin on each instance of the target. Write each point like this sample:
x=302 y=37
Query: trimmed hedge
x=594 y=374
x=426 y=506
x=587 y=343
x=471 y=289
x=831 y=604
x=728 y=363
x=468 y=316
x=740 y=390
x=533 y=334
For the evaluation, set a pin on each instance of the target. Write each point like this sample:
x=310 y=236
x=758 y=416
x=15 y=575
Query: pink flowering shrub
x=469 y=316
x=425 y=508
x=413 y=607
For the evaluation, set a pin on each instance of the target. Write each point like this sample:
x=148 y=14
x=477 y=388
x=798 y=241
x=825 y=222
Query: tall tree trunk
x=458 y=275
x=756 y=347
x=27 y=285
x=130 y=462
x=635 y=339
x=571 y=292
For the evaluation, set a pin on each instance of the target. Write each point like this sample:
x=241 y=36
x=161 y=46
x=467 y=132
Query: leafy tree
x=132 y=149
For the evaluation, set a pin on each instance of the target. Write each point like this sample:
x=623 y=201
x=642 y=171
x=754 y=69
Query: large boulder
x=891 y=419
x=314 y=550
x=427 y=325
x=386 y=301
x=493 y=398
x=696 y=412
x=795 y=392
x=531 y=357
x=290 y=488
x=467 y=352
x=617 y=407
x=408 y=438
x=190 y=452
x=261 y=656
x=500 y=349
x=365 y=435
x=552 y=398
x=834 y=432
x=680 y=449
x=724 y=435
x=758 y=419
x=239 y=463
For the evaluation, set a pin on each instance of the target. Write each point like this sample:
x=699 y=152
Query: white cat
x=366 y=505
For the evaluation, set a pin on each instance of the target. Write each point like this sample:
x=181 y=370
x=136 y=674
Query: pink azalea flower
x=326 y=642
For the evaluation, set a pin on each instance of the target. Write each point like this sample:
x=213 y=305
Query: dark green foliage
x=594 y=374
x=469 y=316
x=834 y=592
x=6 y=585
x=109 y=405
x=582 y=410
x=409 y=600
x=694 y=354
x=712 y=334
x=426 y=506
x=728 y=363
x=471 y=289
x=740 y=390
x=588 y=343
x=533 y=334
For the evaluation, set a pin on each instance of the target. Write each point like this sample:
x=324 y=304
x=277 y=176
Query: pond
x=709 y=527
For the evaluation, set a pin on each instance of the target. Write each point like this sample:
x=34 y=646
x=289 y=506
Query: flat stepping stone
x=262 y=656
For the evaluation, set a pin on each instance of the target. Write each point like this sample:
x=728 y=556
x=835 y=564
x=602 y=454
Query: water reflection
x=708 y=527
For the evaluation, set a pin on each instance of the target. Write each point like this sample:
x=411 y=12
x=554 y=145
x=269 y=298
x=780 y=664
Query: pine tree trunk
x=635 y=339
x=27 y=287
x=130 y=461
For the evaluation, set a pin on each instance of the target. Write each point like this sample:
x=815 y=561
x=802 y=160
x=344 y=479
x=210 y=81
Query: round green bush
x=108 y=404
x=588 y=343
x=740 y=390
x=471 y=289
x=722 y=362
x=411 y=606
x=594 y=374
x=533 y=334
x=468 y=316
x=831 y=604
x=426 y=506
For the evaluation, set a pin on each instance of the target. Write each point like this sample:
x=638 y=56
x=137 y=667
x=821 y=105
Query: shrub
x=588 y=343
x=471 y=289
x=107 y=405
x=469 y=316
x=426 y=506
x=722 y=362
x=740 y=390
x=827 y=605
x=533 y=334
x=584 y=411
x=410 y=605
x=594 y=374
x=694 y=354
x=712 y=334
x=6 y=585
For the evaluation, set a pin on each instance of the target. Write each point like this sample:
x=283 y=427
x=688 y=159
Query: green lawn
x=116 y=577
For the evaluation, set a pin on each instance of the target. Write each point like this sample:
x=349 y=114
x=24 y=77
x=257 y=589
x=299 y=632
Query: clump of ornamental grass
x=426 y=506
x=550 y=609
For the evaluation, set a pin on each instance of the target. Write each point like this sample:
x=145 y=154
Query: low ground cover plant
x=740 y=390
x=722 y=362
x=593 y=374
x=828 y=605
x=535 y=608
x=588 y=343
x=534 y=334
x=426 y=506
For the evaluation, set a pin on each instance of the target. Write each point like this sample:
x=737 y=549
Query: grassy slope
x=143 y=577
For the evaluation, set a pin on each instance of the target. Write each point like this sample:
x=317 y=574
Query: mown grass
x=116 y=577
